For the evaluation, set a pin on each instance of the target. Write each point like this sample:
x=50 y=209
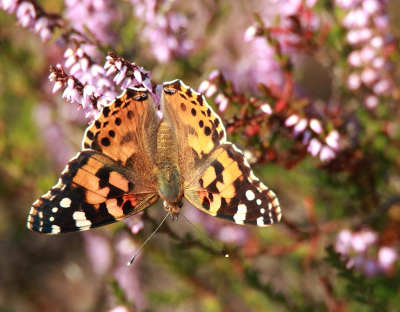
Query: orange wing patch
x=122 y=128
x=228 y=189
x=188 y=110
x=92 y=191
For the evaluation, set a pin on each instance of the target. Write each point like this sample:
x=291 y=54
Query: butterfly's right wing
x=217 y=178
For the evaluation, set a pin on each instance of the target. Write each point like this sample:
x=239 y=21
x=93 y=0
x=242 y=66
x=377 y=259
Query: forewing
x=126 y=130
x=198 y=129
x=228 y=189
x=93 y=191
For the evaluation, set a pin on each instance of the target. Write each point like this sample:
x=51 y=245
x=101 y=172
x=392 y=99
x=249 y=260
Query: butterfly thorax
x=168 y=175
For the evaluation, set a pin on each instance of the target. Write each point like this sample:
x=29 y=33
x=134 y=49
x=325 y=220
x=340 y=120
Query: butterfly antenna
x=137 y=252
x=225 y=254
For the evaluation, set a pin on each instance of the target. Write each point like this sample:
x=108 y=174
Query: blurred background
x=309 y=90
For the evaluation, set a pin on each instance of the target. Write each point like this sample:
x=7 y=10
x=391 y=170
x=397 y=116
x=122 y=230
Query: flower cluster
x=88 y=84
x=95 y=16
x=305 y=128
x=30 y=15
x=297 y=26
x=368 y=34
x=164 y=30
x=358 y=249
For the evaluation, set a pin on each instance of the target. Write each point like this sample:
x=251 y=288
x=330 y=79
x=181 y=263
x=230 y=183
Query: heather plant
x=307 y=89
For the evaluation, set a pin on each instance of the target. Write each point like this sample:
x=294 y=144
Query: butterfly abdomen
x=168 y=174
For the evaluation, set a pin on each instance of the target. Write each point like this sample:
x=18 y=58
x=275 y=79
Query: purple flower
x=10 y=6
x=387 y=256
x=316 y=126
x=99 y=252
x=314 y=147
x=126 y=276
x=119 y=309
x=26 y=14
x=95 y=15
x=164 y=31
x=292 y=120
x=355 y=248
x=327 y=154
x=332 y=139
x=353 y=81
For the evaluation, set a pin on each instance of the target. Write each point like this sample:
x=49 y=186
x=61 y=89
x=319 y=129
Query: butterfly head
x=173 y=209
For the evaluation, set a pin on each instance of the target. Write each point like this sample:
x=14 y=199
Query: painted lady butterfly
x=130 y=159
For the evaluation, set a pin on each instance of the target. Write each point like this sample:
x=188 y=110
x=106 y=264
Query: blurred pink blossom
x=356 y=249
x=99 y=252
x=9 y=6
x=94 y=15
x=326 y=154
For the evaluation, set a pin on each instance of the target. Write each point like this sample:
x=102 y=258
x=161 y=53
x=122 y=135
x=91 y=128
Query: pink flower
x=211 y=90
x=377 y=42
x=266 y=108
x=57 y=86
x=367 y=54
x=356 y=19
x=204 y=86
x=249 y=34
x=316 y=126
x=347 y=4
x=387 y=256
x=9 y=5
x=292 y=120
x=361 y=241
x=300 y=126
x=314 y=147
x=98 y=251
x=369 y=76
x=383 y=86
x=214 y=74
x=327 y=154
x=371 y=101
x=371 y=6
x=353 y=81
x=26 y=14
x=120 y=309
x=354 y=59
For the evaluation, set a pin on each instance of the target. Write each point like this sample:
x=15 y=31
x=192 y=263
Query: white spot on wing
x=79 y=216
x=65 y=202
x=258 y=201
x=81 y=224
x=80 y=219
x=54 y=209
x=250 y=195
x=253 y=176
x=51 y=219
x=55 y=229
x=260 y=221
x=262 y=210
x=240 y=216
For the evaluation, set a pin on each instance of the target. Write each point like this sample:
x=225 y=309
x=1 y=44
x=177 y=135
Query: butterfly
x=131 y=158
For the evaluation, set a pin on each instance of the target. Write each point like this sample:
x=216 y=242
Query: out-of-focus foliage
x=309 y=91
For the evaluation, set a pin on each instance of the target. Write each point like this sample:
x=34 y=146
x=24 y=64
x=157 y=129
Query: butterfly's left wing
x=217 y=177
x=112 y=178
x=93 y=191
